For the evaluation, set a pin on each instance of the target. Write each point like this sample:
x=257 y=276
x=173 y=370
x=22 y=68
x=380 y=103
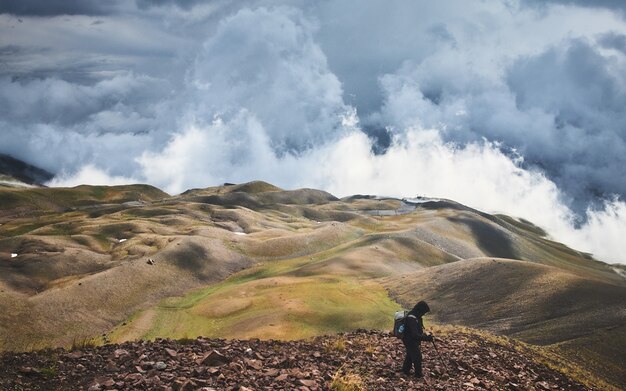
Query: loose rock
x=467 y=362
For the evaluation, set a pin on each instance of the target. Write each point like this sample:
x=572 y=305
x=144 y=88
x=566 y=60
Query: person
x=413 y=336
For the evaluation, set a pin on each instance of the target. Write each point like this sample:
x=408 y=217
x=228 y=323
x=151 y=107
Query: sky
x=508 y=106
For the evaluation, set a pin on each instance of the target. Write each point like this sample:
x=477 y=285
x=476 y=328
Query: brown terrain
x=350 y=361
x=95 y=265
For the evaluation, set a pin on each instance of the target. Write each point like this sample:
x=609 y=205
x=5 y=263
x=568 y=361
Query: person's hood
x=420 y=309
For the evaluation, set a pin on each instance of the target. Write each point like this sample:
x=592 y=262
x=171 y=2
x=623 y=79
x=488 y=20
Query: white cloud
x=266 y=62
x=236 y=151
x=89 y=175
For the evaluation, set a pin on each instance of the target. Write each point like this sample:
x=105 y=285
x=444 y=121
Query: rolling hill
x=112 y=264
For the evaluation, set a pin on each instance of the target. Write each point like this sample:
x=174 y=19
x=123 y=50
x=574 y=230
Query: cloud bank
x=508 y=107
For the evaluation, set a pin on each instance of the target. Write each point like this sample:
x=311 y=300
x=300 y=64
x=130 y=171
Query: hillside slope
x=582 y=318
x=16 y=173
x=253 y=260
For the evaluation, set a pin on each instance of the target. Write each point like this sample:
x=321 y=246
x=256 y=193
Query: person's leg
x=412 y=354
x=417 y=362
x=408 y=362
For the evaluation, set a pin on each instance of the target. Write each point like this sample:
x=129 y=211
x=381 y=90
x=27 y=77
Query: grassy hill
x=252 y=260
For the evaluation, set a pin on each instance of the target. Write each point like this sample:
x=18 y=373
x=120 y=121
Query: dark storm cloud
x=618 y=5
x=614 y=41
x=557 y=108
x=184 y=4
x=63 y=103
x=583 y=92
x=58 y=7
x=9 y=50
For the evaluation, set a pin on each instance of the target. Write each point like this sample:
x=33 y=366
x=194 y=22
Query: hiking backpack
x=399 y=323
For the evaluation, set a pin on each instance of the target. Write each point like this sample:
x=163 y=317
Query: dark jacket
x=414 y=325
x=415 y=329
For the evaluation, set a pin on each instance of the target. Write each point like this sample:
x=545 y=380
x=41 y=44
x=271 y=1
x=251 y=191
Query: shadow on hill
x=270 y=200
x=438 y=205
x=229 y=200
x=492 y=241
x=191 y=257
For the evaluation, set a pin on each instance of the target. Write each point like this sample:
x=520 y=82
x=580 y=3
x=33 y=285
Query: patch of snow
x=13 y=255
x=135 y=203
x=240 y=233
x=420 y=200
x=122 y=240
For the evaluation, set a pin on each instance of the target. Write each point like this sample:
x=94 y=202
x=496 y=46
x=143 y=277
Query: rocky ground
x=353 y=361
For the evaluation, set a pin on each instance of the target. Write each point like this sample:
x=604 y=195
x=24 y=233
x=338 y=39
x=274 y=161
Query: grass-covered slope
x=252 y=260
x=29 y=202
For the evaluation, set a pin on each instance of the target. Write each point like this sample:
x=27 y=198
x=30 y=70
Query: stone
x=133 y=377
x=120 y=352
x=27 y=370
x=255 y=364
x=214 y=359
x=75 y=355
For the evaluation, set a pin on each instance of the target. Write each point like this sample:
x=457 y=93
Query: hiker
x=413 y=336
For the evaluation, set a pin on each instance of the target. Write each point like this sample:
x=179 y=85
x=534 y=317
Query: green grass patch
x=55 y=199
x=61 y=229
x=265 y=303
x=150 y=212
x=22 y=229
x=10 y=199
x=50 y=371
x=299 y=310
x=103 y=241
